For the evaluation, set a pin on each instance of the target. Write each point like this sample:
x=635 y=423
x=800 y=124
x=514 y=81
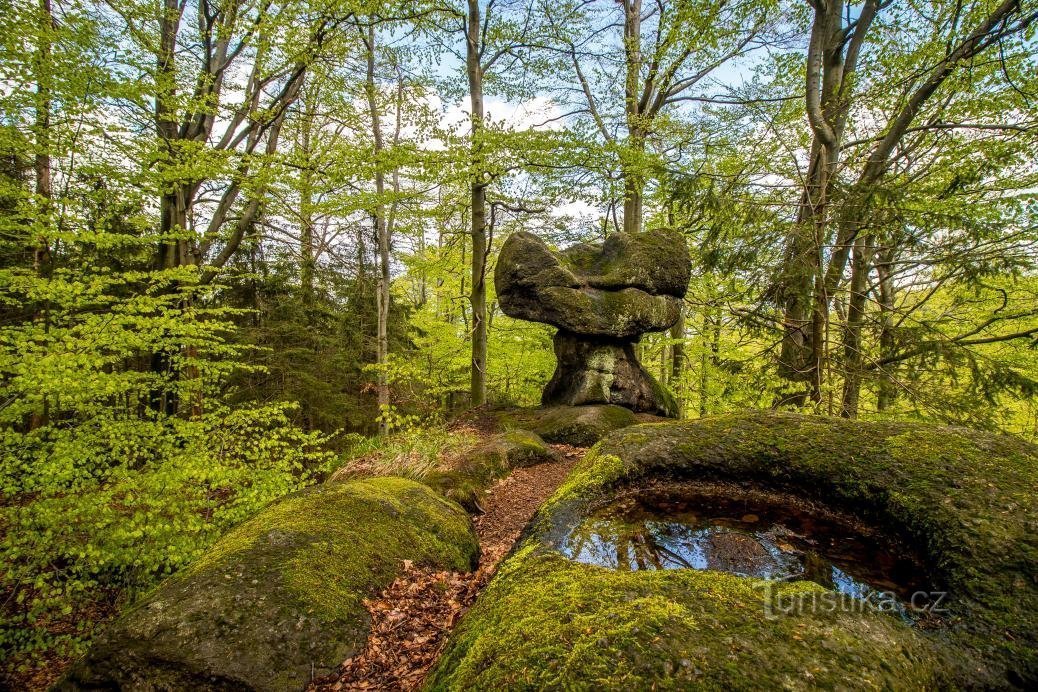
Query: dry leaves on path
x=411 y=619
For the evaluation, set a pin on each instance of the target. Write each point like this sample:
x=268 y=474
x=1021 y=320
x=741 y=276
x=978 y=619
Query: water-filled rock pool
x=753 y=534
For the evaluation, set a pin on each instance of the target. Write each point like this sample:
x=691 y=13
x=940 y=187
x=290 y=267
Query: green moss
x=621 y=313
x=963 y=499
x=550 y=623
x=525 y=448
x=467 y=478
x=281 y=595
x=576 y=425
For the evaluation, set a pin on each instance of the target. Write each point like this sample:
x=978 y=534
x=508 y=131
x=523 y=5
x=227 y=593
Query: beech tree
x=811 y=274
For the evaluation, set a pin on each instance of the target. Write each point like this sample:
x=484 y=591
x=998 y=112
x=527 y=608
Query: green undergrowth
x=460 y=462
x=95 y=514
x=414 y=452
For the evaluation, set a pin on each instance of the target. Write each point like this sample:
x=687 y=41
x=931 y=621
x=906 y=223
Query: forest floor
x=411 y=619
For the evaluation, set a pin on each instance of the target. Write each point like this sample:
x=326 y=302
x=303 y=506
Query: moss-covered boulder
x=964 y=500
x=525 y=448
x=625 y=286
x=581 y=426
x=279 y=599
x=466 y=478
x=602 y=297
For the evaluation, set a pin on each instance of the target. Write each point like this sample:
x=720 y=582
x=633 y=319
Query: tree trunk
x=307 y=260
x=709 y=361
x=634 y=183
x=41 y=257
x=382 y=237
x=887 y=386
x=677 y=359
x=831 y=63
x=478 y=201
x=852 y=341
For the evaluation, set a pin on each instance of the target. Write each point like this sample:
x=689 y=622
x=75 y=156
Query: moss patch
x=550 y=623
x=964 y=499
x=525 y=448
x=466 y=478
x=581 y=426
x=281 y=596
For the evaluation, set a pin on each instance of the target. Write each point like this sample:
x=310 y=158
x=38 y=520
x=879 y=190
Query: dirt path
x=411 y=619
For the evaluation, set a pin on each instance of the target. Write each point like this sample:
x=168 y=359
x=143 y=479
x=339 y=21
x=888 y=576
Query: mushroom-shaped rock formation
x=602 y=297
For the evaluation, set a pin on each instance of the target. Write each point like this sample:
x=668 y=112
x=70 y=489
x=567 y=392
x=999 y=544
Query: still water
x=749 y=535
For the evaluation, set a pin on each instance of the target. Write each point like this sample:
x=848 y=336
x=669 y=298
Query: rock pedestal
x=603 y=371
x=602 y=297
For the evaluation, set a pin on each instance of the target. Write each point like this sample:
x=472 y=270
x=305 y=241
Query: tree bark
x=478 y=201
x=41 y=257
x=634 y=183
x=831 y=64
x=852 y=340
x=382 y=239
x=307 y=262
x=677 y=359
x=887 y=390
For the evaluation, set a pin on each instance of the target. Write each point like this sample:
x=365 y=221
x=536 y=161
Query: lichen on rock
x=279 y=599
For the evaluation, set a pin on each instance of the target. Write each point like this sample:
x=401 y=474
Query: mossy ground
x=459 y=462
x=550 y=623
x=964 y=499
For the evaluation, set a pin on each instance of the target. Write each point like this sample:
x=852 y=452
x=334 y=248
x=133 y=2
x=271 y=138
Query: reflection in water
x=743 y=537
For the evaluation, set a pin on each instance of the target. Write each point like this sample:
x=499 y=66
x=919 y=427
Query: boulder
x=525 y=448
x=466 y=479
x=962 y=499
x=278 y=600
x=621 y=288
x=602 y=298
x=580 y=426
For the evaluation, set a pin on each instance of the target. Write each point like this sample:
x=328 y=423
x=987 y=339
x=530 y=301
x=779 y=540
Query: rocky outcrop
x=593 y=371
x=580 y=426
x=279 y=599
x=602 y=297
x=465 y=479
x=963 y=499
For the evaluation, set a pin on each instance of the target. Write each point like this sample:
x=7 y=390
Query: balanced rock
x=602 y=297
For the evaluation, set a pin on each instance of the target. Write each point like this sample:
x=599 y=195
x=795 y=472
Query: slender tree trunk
x=710 y=358
x=852 y=341
x=887 y=389
x=172 y=207
x=41 y=249
x=677 y=358
x=41 y=257
x=634 y=183
x=478 y=201
x=382 y=237
x=307 y=262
